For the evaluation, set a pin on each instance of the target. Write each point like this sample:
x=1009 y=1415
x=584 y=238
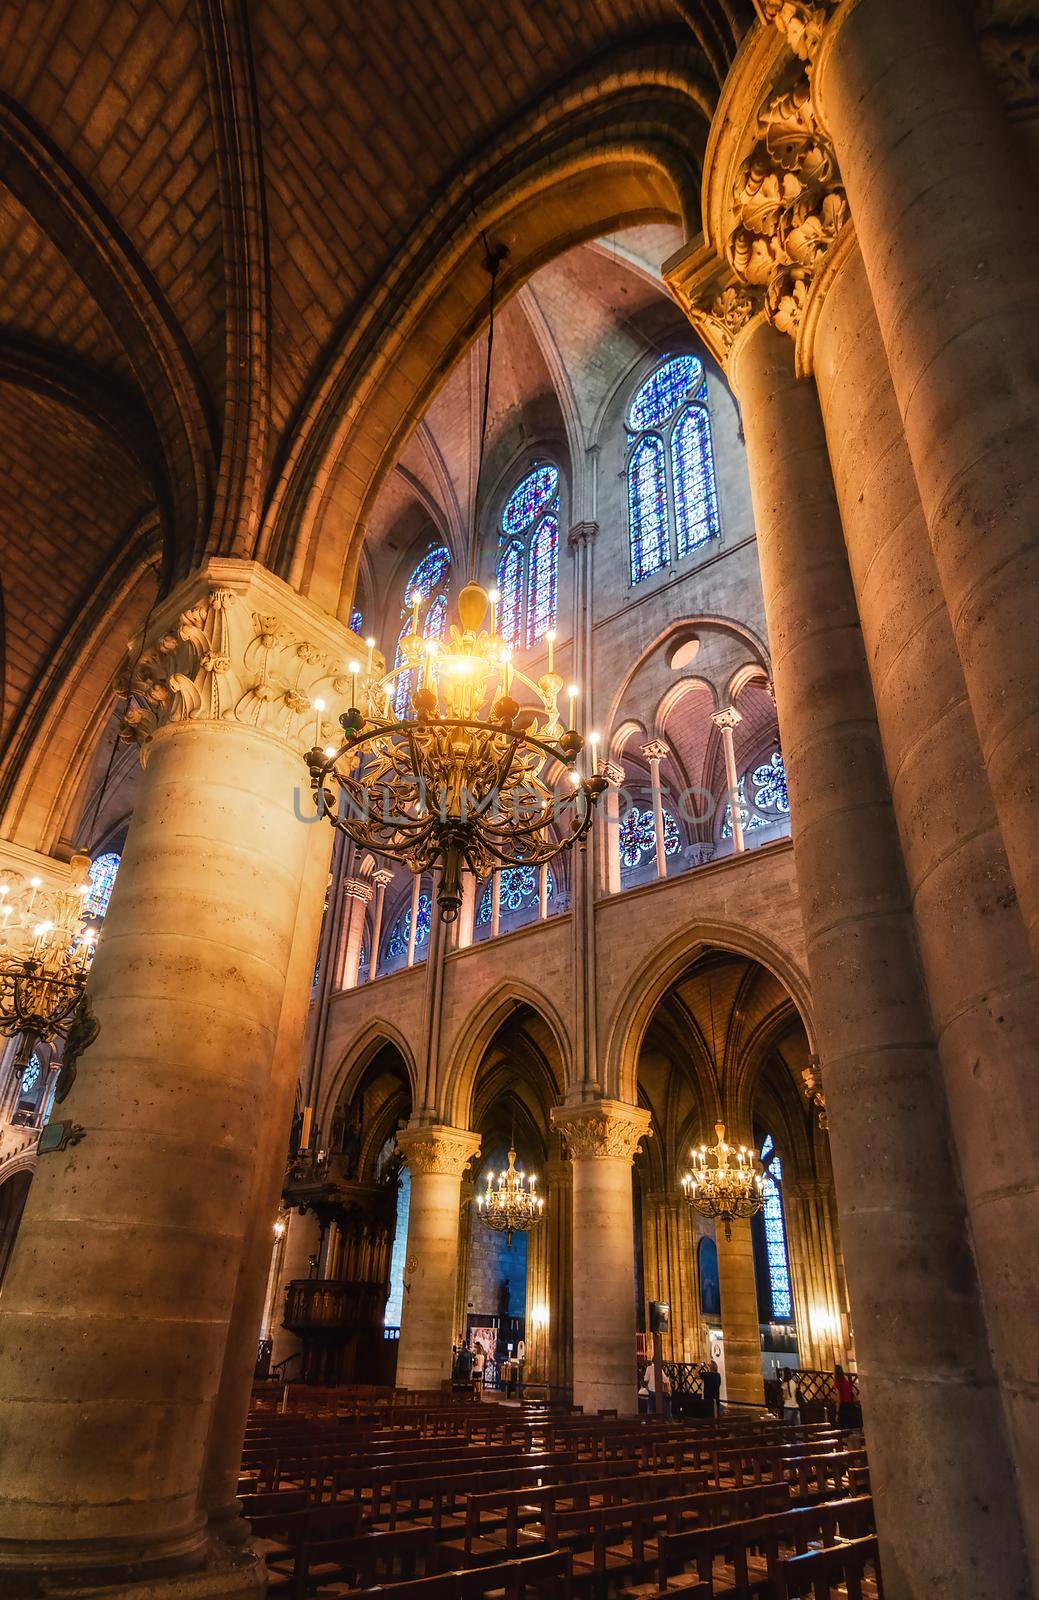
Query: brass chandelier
x=512 y=1205
x=724 y=1182
x=441 y=765
x=46 y=947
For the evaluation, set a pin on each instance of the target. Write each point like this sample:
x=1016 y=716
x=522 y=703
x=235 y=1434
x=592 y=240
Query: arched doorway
x=514 y=1296
x=726 y=1043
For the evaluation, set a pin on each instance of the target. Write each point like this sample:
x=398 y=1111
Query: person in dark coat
x=712 y=1387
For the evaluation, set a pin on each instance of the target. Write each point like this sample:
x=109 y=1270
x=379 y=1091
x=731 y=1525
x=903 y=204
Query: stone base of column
x=228 y=1574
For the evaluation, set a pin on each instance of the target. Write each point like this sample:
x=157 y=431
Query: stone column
x=655 y=752
x=903 y=1222
x=495 y=902
x=726 y=721
x=975 y=949
x=130 y=1246
x=669 y=1271
x=947 y=216
x=416 y=894
x=543 y=892
x=302 y=1241
x=467 y=912
x=610 y=828
x=382 y=878
x=465 y=1239
x=549 y=1294
x=740 y=1327
x=357 y=896
x=819 y=1314
x=602 y=1137
x=436 y=1156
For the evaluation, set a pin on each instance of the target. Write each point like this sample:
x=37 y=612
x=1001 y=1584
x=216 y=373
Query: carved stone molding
x=438 y=1149
x=382 y=877
x=582 y=533
x=656 y=750
x=234 y=644
x=728 y=717
x=613 y=773
x=357 y=889
x=1008 y=36
x=601 y=1128
x=801 y=22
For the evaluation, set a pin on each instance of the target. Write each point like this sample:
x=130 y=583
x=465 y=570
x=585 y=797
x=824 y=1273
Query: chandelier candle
x=725 y=1182
x=468 y=777
x=513 y=1205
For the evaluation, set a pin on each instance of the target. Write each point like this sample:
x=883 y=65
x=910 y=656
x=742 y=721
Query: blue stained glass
x=431 y=574
x=647 y=509
x=666 y=389
x=509 y=578
x=750 y=819
x=770 y=785
x=400 y=933
x=692 y=469
x=541 y=603
x=398 y=1257
x=638 y=836
x=356 y=621
x=775 y=1235
x=531 y=496
x=101 y=879
x=31 y=1074
x=519 y=888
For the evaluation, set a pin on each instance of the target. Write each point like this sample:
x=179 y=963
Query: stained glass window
x=398 y=1256
x=670 y=386
x=31 y=1075
x=356 y=621
x=432 y=574
x=101 y=879
x=672 y=493
x=769 y=782
x=519 y=888
x=638 y=836
x=400 y=933
x=541 y=601
x=533 y=495
x=692 y=470
x=510 y=593
x=775 y=1234
x=647 y=509
x=771 y=803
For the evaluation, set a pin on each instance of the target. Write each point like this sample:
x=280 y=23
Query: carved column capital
x=382 y=877
x=613 y=773
x=358 y=889
x=601 y=1128
x=438 y=1149
x=801 y=22
x=728 y=717
x=656 y=750
x=582 y=533
x=233 y=644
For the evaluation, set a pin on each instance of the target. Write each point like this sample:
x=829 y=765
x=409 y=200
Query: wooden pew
x=822 y=1573
x=543 y=1577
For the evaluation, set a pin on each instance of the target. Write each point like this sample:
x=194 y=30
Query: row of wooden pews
x=432 y=1497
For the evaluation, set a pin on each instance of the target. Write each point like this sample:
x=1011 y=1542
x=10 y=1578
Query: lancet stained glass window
x=356 y=621
x=31 y=1075
x=519 y=888
x=672 y=491
x=101 y=879
x=510 y=592
x=400 y=933
x=528 y=567
x=775 y=1234
x=541 y=601
x=430 y=578
x=766 y=783
x=638 y=836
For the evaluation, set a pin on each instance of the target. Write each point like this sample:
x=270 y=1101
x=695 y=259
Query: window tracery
x=101 y=880
x=400 y=933
x=518 y=889
x=528 y=566
x=431 y=578
x=774 y=1223
x=672 y=489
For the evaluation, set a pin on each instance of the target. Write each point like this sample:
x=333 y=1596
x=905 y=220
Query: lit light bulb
x=330 y=751
x=493 y=596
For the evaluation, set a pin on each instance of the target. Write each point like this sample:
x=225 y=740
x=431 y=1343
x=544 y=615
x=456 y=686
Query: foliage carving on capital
x=229 y=657
x=801 y=22
x=788 y=205
x=601 y=1128
x=438 y=1149
x=718 y=318
x=1008 y=37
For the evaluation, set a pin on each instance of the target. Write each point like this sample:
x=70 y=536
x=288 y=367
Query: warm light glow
x=370 y=643
x=330 y=751
x=416 y=598
x=493 y=596
x=539 y=1315
x=355 y=667
x=319 y=705
x=279 y=1228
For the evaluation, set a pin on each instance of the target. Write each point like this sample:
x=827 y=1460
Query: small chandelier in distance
x=46 y=947
x=724 y=1182
x=514 y=1205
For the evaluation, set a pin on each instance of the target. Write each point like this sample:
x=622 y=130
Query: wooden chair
x=544 y=1577
x=821 y=1572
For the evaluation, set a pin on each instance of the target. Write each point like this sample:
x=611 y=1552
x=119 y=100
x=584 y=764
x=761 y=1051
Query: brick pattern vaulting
x=215 y=217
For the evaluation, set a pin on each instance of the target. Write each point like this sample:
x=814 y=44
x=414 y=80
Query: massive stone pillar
x=980 y=976
x=744 y=1382
x=947 y=216
x=116 y=1308
x=436 y=1156
x=602 y=1137
x=816 y=1281
x=549 y=1309
x=927 y=1379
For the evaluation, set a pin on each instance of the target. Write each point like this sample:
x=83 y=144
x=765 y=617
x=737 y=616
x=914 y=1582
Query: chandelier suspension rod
x=492 y=260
